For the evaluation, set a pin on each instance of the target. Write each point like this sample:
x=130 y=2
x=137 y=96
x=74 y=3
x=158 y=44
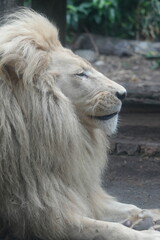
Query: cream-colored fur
x=52 y=148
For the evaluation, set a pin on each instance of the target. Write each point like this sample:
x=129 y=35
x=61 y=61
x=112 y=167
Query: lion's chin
x=109 y=126
x=108 y=123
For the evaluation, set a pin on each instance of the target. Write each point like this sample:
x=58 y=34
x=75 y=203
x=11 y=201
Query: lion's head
x=32 y=55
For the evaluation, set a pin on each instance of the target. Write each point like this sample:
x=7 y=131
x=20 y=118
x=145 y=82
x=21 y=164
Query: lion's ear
x=10 y=73
x=11 y=69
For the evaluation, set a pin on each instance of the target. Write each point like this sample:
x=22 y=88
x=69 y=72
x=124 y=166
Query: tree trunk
x=7 y=5
x=55 y=10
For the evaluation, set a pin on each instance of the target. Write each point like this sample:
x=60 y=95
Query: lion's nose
x=121 y=95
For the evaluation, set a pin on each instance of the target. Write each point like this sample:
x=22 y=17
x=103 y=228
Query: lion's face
x=95 y=97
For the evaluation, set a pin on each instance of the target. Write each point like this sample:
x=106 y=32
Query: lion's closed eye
x=82 y=74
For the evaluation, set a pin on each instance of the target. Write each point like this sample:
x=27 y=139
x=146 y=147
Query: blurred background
x=121 y=38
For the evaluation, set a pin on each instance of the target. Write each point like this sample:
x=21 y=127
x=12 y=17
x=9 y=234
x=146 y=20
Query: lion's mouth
x=105 y=117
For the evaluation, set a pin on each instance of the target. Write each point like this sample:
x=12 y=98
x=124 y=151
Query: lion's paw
x=146 y=219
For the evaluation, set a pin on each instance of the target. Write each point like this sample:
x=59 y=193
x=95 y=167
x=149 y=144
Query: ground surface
x=132 y=179
x=133 y=175
x=135 y=68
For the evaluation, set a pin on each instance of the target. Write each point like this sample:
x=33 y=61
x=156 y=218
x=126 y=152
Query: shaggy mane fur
x=50 y=163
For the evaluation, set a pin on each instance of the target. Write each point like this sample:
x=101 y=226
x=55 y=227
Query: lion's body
x=51 y=153
x=48 y=161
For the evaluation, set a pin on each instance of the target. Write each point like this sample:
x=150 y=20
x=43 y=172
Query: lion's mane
x=50 y=163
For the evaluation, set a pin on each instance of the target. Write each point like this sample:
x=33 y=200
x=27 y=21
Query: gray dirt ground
x=141 y=191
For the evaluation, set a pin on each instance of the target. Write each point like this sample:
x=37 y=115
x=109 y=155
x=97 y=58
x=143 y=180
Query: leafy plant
x=95 y=16
x=148 y=22
x=136 y=19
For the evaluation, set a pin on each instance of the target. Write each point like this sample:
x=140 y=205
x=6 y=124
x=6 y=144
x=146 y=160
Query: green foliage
x=90 y=15
x=148 y=22
x=136 y=19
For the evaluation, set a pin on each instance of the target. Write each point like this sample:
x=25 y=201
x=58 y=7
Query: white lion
x=56 y=111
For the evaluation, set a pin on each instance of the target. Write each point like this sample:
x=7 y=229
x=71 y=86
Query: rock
x=143 y=94
x=138 y=135
x=127 y=148
x=115 y=46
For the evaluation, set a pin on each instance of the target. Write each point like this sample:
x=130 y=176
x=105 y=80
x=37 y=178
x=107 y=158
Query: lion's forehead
x=67 y=60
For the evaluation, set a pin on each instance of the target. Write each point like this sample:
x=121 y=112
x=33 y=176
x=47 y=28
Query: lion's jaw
x=92 y=94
